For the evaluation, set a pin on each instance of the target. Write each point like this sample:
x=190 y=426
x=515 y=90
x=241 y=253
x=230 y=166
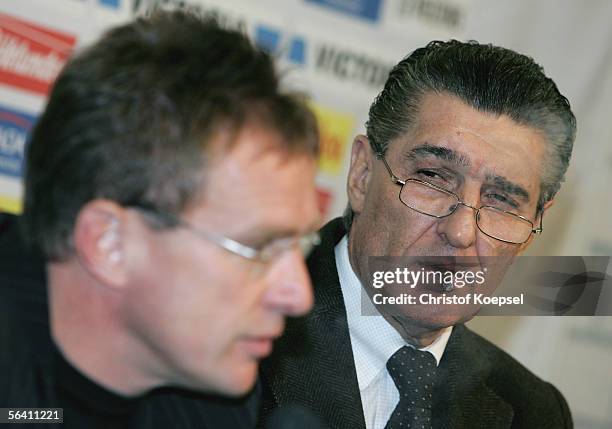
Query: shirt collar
x=373 y=339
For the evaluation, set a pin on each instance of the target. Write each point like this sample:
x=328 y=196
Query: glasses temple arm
x=393 y=176
x=539 y=229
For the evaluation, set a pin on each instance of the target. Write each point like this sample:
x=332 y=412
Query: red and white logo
x=31 y=56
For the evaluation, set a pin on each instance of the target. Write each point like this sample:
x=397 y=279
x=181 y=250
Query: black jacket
x=481 y=385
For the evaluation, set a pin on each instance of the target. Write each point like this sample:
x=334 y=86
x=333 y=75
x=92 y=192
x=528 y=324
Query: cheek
x=219 y=302
x=391 y=228
x=195 y=299
x=487 y=246
x=409 y=232
x=496 y=257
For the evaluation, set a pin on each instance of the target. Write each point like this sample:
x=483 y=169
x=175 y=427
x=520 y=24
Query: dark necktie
x=414 y=374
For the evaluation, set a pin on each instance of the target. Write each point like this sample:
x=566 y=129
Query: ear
x=362 y=158
x=99 y=242
x=547 y=205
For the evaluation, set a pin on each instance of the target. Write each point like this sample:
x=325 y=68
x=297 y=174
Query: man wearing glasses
x=465 y=150
x=170 y=189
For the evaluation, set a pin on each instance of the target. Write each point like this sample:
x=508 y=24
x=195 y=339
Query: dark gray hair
x=131 y=119
x=488 y=78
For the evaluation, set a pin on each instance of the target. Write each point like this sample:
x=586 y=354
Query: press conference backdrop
x=339 y=52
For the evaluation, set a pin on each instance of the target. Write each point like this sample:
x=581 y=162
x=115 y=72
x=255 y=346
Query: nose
x=459 y=229
x=290 y=290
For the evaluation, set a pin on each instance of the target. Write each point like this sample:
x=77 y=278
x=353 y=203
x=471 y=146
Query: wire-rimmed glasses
x=265 y=254
x=431 y=200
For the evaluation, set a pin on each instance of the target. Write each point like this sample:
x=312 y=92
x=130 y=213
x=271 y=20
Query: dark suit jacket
x=481 y=386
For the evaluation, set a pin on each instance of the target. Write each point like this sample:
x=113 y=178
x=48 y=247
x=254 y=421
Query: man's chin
x=239 y=381
x=231 y=381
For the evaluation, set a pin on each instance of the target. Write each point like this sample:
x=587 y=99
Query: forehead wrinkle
x=440 y=152
x=508 y=186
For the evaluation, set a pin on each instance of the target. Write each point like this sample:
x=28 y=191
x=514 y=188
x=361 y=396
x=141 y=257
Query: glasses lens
x=427 y=199
x=305 y=243
x=504 y=226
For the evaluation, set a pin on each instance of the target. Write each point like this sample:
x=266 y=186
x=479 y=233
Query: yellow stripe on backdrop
x=10 y=205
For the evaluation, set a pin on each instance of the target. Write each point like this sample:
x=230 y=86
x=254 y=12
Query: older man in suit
x=465 y=150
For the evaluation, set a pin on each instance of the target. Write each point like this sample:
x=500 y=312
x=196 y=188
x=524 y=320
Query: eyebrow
x=439 y=152
x=449 y=155
x=508 y=186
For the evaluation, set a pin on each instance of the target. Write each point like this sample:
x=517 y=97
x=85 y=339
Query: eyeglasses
x=265 y=254
x=431 y=200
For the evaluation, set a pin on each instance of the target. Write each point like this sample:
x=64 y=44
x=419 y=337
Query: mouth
x=258 y=347
x=447 y=268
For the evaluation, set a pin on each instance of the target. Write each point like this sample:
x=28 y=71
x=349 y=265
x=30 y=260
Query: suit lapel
x=313 y=362
x=464 y=398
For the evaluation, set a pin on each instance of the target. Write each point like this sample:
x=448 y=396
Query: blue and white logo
x=110 y=4
x=114 y=4
x=14 y=129
x=365 y=9
x=272 y=40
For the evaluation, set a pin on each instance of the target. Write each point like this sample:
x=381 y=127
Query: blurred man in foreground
x=466 y=147
x=170 y=188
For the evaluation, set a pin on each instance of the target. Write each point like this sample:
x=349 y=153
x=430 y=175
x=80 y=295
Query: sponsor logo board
x=225 y=17
x=436 y=15
x=109 y=4
x=31 y=56
x=114 y=4
x=335 y=129
x=14 y=129
x=324 y=199
x=364 y=9
x=347 y=66
x=278 y=43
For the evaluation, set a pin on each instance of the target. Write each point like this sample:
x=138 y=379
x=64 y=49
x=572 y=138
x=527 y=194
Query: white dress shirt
x=374 y=341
